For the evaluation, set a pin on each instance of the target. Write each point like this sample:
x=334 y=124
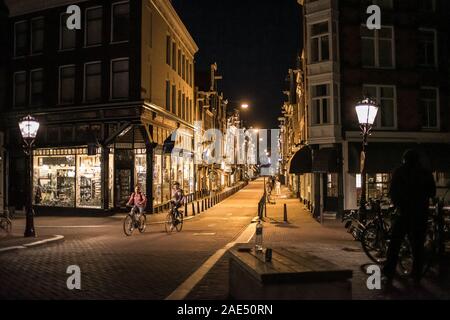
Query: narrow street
x=113 y=266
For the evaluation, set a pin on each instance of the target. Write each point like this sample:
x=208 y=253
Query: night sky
x=254 y=44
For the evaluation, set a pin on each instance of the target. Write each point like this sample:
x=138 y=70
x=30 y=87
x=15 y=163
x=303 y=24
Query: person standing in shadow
x=411 y=188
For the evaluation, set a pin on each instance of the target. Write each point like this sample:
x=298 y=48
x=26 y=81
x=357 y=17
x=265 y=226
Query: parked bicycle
x=174 y=219
x=5 y=225
x=353 y=224
x=134 y=220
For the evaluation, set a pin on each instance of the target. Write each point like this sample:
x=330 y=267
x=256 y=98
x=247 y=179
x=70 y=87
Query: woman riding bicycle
x=178 y=196
x=137 y=200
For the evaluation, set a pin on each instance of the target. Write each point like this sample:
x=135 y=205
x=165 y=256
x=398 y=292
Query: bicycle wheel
x=169 y=223
x=374 y=243
x=405 y=259
x=179 y=222
x=128 y=225
x=142 y=223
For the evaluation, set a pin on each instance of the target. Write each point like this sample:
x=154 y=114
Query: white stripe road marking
x=72 y=227
x=204 y=234
x=12 y=248
x=55 y=238
x=32 y=244
x=183 y=290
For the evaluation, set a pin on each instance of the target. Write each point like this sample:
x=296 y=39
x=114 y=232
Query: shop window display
x=89 y=187
x=167 y=176
x=111 y=179
x=140 y=164
x=54 y=181
x=378 y=185
x=67 y=178
x=186 y=175
x=157 y=180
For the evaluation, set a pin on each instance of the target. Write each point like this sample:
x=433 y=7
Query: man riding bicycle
x=137 y=200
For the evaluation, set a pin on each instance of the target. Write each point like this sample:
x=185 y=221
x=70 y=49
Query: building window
x=429 y=107
x=67 y=84
x=321 y=104
x=37 y=87
x=92 y=81
x=20 y=89
x=20 y=38
x=168 y=49
x=320 y=42
x=179 y=62
x=179 y=103
x=427 y=48
x=94 y=26
x=386 y=97
x=332 y=185
x=120 y=21
x=183 y=107
x=174 y=99
x=429 y=5
x=378 y=47
x=174 y=56
x=67 y=38
x=37 y=35
x=183 y=67
x=168 y=95
x=120 y=79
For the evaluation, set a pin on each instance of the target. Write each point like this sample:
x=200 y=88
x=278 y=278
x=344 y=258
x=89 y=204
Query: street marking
x=55 y=238
x=204 y=234
x=211 y=225
x=12 y=248
x=32 y=244
x=71 y=227
x=183 y=290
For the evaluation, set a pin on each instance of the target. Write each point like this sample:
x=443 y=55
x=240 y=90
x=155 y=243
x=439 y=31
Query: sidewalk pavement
x=329 y=241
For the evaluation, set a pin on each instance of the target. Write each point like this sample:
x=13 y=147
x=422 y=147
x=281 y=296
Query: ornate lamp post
x=367 y=110
x=29 y=127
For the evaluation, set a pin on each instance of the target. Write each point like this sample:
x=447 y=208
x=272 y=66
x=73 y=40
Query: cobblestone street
x=113 y=266
x=153 y=265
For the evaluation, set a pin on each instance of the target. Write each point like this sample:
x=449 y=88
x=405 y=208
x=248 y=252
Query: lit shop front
x=168 y=168
x=68 y=178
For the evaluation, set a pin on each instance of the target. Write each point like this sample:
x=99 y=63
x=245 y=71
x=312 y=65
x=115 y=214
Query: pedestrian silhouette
x=411 y=188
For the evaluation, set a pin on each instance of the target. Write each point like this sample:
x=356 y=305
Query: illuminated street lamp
x=29 y=127
x=367 y=110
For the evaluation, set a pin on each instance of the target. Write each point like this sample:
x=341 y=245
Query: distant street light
x=367 y=110
x=29 y=127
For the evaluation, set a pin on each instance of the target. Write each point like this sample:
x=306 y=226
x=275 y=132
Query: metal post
x=29 y=230
x=285 y=213
x=363 y=200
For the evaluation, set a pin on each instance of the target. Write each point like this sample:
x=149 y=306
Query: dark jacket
x=411 y=189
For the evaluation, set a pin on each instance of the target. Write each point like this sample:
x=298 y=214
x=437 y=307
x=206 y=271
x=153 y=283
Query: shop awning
x=325 y=161
x=385 y=157
x=301 y=161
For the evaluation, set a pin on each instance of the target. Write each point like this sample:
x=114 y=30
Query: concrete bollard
x=285 y=217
